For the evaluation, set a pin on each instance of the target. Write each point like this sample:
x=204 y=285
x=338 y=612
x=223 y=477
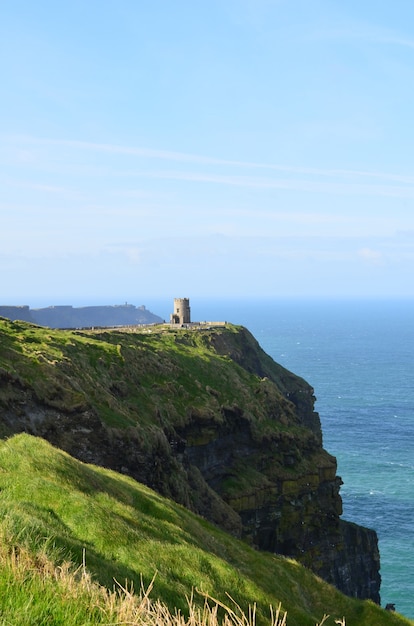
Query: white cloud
x=290 y=184
x=173 y=156
x=132 y=253
x=370 y=255
x=363 y=31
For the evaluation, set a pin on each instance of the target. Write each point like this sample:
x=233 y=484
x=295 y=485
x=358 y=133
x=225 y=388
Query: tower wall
x=182 y=311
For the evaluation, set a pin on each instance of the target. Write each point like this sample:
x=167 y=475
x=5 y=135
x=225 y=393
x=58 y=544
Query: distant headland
x=68 y=316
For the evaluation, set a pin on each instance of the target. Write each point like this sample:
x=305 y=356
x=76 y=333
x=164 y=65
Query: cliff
x=81 y=317
x=206 y=418
x=110 y=527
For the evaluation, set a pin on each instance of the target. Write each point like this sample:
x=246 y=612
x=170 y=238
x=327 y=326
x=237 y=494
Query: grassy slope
x=51 y=503
x=149 y=379
x=127 y=375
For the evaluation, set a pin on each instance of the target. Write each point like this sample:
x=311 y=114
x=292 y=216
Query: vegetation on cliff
x=70 y=530
x=204 y=417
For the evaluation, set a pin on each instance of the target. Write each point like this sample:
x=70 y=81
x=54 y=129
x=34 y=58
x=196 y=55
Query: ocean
x=358 y=355
x=359 y=358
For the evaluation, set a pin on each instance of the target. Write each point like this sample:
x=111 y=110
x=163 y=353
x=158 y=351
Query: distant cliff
x=205 y=417
x=81 y=317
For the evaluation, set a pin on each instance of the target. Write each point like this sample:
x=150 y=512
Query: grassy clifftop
x=202 y=416
x=133 y=399
x=132 y=376
x=54 y=508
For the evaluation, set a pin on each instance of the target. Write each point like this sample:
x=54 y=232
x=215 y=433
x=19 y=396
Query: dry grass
x=122 y=606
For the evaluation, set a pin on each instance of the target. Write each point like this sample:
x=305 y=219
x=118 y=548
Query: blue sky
x=220 y=148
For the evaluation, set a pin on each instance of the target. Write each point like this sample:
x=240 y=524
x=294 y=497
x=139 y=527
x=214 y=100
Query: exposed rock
x=208 y=419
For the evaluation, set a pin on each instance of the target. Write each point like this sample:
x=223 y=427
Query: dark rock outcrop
x=82 y=317
x=210 y=420
x=23 y=313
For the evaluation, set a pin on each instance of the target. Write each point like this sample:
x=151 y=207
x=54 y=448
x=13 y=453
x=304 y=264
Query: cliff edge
x=205 y=417
x=80 y=317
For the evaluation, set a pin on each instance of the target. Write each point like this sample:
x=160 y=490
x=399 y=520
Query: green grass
x=56 y=509
x=162 y=381
x=132 y=377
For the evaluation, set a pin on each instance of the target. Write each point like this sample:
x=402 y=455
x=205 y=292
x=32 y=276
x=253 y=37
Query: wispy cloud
x=370 y=255
x=47 y=188
x=197 y=169
x=363 y=31
x=183 y=157
x=336 y=188
x=397 y=41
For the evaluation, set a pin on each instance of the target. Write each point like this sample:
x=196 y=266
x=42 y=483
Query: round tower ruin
x=181 y=314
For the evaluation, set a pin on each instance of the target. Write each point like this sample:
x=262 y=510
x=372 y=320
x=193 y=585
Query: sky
x=229 y=148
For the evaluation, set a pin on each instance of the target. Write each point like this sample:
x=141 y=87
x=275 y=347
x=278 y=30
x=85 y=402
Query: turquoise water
x=359 y=357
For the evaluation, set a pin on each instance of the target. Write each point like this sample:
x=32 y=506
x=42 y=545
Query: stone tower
x=181 y=313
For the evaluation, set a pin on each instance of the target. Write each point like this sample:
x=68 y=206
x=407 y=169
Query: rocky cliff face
x=204 y=417
x=297 y=516
x=79 y=317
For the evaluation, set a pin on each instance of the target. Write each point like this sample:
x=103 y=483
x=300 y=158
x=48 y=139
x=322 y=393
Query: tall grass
x=36 y=591
x=56 y=511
